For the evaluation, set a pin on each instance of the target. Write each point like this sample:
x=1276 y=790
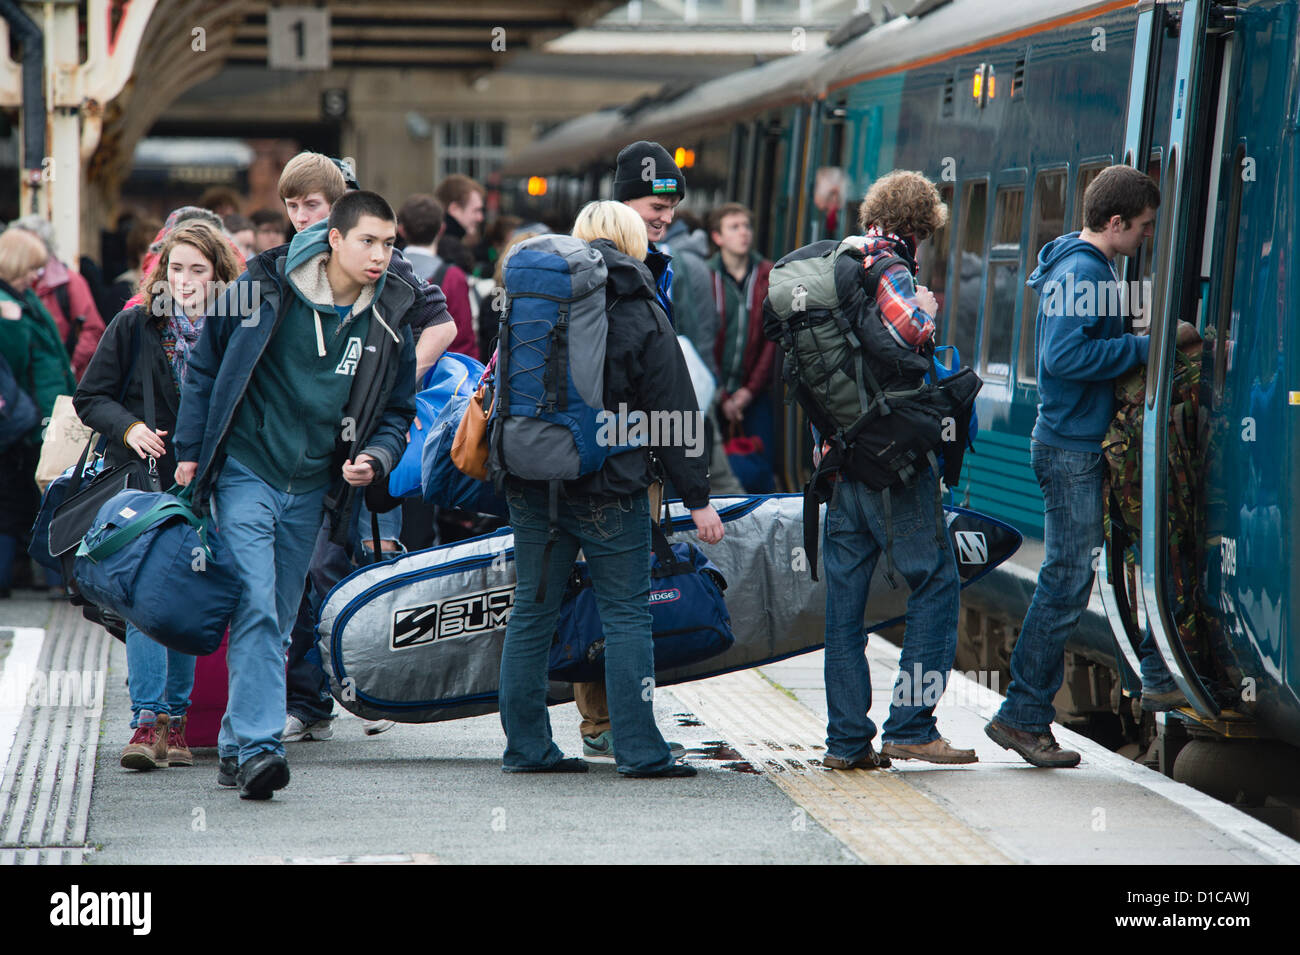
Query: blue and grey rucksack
x=550 y=367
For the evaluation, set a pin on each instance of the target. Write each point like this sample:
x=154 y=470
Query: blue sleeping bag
x=453 y=375
x=445 y=484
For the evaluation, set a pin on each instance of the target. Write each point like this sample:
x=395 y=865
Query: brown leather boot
x=1037 y=749
x=148 y=747
x=178 y=753
x=935 y=751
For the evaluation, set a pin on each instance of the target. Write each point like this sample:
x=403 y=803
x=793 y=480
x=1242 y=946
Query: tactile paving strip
x=878 y=815
x=46 y=787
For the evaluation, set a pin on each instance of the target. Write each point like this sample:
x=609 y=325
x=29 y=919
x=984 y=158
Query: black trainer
x=262 y=775
x=227 y=767
x=1037 y=749
x=569 y=764
x=677 y=770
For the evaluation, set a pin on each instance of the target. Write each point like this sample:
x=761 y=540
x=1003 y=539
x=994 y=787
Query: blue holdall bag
x=453 y=376
x=148 y=558
x=690 y=620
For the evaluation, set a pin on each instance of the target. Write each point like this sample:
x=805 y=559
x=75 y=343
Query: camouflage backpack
x=1122 y=448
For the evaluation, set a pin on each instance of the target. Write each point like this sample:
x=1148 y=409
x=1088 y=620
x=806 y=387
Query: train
x=1011 y=108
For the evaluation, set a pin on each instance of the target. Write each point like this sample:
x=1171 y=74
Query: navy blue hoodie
x=1081 y=344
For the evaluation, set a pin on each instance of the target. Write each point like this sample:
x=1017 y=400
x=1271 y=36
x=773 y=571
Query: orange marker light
x=683 y=157
x=992 y=84
x=978 y=86
x=536 y=186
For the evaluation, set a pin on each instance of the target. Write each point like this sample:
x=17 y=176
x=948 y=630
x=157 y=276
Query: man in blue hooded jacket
x=300 y=391
x=1081 y=349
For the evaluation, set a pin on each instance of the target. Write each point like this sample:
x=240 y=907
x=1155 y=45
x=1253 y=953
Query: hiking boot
x=178 y=753
x=148 y=747
x=1163 y=702
x=1037 y=749
x=935 y=751
x=300 y=731
x=262 y=775
x=600 y=748
x=227 y=770
x=869 y=760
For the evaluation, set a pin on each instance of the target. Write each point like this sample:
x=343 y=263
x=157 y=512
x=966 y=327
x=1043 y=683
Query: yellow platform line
x=878 y=815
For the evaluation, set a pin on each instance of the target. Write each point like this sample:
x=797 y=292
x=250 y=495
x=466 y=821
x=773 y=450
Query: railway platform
x=434 y=793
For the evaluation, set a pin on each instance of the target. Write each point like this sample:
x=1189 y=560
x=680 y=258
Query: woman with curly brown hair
x=152 y=342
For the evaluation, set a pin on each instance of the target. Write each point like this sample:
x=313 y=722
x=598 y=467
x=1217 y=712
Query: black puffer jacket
x=644 y=370
x=97 y=398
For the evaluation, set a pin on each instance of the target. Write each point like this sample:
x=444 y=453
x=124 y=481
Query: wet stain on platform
x=719 y=750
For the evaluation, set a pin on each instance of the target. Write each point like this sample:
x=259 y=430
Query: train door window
x=963 y=304
x=1141 y=320
x=1003 y=284
x=1047 y=223
x=1224 y=332
x=1086 y=175
x=932 y=260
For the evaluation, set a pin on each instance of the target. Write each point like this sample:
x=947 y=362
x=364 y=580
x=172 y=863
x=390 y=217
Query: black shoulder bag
x=77 y=512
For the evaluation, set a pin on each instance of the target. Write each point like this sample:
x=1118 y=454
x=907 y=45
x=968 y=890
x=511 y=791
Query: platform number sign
x=298 y=38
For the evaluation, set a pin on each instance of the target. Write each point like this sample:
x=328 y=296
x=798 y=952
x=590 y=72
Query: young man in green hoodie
x=297 y=395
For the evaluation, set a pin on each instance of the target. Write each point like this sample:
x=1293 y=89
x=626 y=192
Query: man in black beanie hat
x=647 y=179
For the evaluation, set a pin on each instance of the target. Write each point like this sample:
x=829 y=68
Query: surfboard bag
x=690 y=621
x=418 y=639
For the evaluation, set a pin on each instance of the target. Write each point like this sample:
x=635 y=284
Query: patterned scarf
x=179 y=336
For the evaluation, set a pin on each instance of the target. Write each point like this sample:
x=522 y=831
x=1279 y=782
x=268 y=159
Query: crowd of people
x=241 y=404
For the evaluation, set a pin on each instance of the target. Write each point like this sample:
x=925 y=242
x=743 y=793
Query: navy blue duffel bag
x=690 y=621
x=148 y=558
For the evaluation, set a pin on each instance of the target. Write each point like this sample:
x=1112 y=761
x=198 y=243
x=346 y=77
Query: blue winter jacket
x=1082 y=345
x=380 y=405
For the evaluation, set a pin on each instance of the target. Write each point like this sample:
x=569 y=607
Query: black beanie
x=634 y=177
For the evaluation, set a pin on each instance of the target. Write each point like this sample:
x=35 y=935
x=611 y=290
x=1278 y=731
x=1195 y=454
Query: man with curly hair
x=900 y=210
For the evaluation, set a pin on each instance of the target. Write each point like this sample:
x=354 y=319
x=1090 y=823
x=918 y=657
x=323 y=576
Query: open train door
x=1197 y=98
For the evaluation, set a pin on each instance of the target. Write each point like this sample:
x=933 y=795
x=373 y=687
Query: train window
x=1086 y=175
x=1010 y=218
x=1003 y=281
x=932 y=259
x=964 y=299
x=1048 y=222
x=999 y=315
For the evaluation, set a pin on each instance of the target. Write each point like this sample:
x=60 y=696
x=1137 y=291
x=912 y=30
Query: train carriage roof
x=961 y=26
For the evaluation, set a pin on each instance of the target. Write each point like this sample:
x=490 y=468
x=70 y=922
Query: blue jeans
x=270 y=535
x=1072 y=483
x=159 y=680
x=614 y=534
x=852 y=543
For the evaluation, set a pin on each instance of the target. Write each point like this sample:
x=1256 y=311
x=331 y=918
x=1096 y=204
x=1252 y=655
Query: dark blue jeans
x=614 y=534
x=853 y=541
x=1072 y=483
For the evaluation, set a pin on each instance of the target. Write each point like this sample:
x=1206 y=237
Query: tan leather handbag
x=469 y=449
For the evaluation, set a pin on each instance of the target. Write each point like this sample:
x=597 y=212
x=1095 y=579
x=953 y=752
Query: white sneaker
x=375 y=727
x=296 y=731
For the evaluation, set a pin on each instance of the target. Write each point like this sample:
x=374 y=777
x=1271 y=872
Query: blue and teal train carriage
x=1012 y=107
